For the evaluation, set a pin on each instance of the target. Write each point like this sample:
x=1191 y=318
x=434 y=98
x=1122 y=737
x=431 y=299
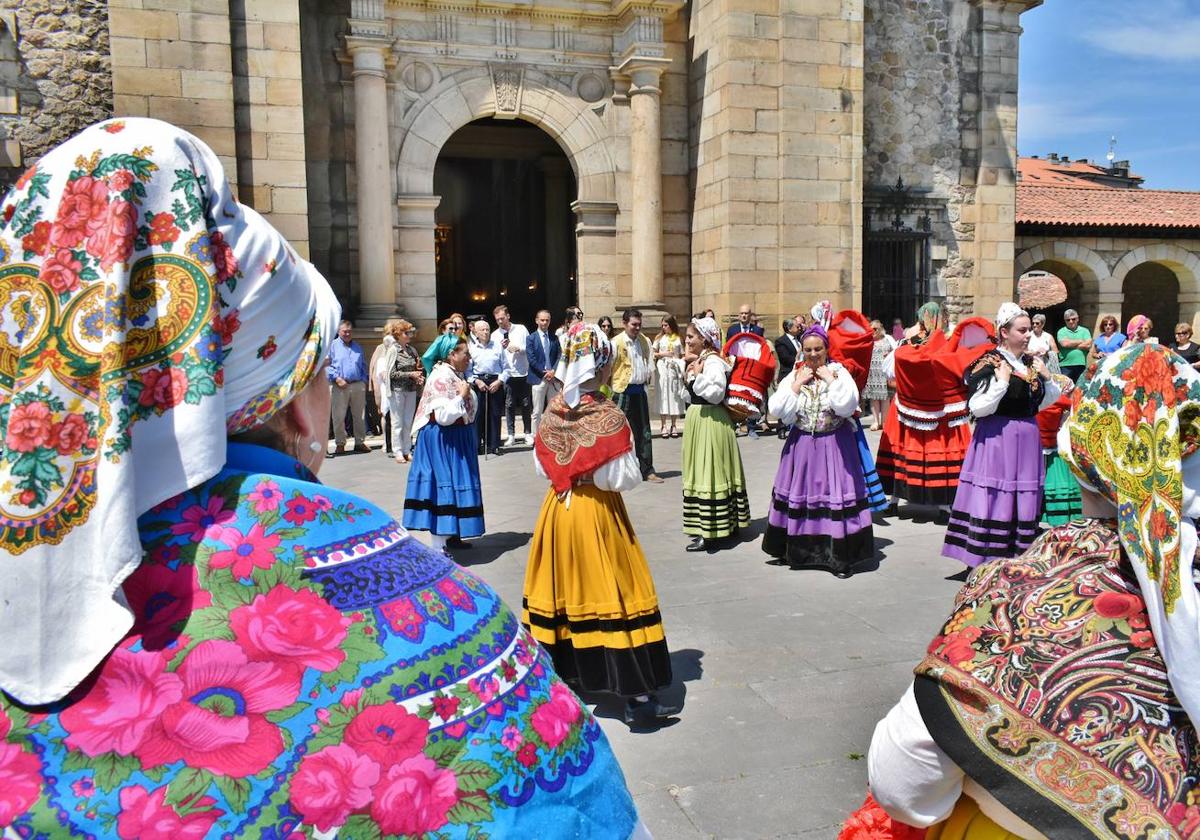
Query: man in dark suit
x=542 y=349
x=744 y=323
x=787 y=347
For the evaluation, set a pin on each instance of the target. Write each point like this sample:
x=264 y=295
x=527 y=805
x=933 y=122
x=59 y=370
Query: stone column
x=646 y=172
x=376 y=275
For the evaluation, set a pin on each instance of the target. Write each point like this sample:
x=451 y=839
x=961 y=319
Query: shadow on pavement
x=685 y=667
x=487 y=548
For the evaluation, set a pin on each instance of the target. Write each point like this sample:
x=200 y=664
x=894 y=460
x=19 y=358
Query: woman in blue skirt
x=444 y=496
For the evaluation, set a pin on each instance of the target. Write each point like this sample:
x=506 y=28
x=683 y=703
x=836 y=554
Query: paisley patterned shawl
x=146 y=315
x=572 y=442
x=300 y=665
x=1047 y=688
x=1132 y=436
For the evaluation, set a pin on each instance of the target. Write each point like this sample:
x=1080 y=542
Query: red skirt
x=921 y=466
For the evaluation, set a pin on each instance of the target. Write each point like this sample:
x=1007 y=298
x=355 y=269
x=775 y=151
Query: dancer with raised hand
x=998 y=504
x=589 y=597
x=820 y=515
x=715 y=504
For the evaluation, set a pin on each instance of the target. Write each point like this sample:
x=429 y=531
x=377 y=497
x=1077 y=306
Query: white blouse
x=839 y=397
x=984 y=403
x=917 y=783
x=709 y=384
x=449 y=412
x=619 y=475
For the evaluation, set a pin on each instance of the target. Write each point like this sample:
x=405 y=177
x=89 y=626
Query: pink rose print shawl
x=299 y=666
x=146 y=316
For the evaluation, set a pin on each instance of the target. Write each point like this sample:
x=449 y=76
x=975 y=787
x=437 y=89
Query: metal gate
x=895 y=275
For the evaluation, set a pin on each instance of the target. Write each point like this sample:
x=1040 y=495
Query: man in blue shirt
x=487 y=374
x=347 y=374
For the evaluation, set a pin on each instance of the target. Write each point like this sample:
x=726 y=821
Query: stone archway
x=1150 y=273
x=1087 y=277
x=472 y=94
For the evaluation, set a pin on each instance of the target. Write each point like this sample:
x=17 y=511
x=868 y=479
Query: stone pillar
x=995 y=198
x=646 y=173
x=418 y=261
x=376 y=275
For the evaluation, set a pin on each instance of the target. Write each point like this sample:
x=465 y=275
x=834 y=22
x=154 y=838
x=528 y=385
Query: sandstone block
x=284 y=37
x=127 y=52
x=207 y=84
x=286 y=146
x=206 y=29
x=145 y=82
x=142 y=23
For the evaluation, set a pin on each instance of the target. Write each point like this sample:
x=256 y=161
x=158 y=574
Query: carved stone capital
x=371 y=55
x=644 y=72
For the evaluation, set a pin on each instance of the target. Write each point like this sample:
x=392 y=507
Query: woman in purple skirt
x=820 y=515
x=999 y=500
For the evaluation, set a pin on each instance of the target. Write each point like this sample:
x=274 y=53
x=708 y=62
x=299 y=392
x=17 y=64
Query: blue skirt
x=444 y=495
x=875 y=495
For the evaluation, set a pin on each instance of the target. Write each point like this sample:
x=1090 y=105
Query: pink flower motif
x=60 y=271
x=163 y=388
x=511 y=738
x=331 y=785
x=147 y=816
x=164 y=554
x=445 y=707
x=120 y=180
x=222 y=254
x=246 y=552
x=81 y=211
x=161 y=598
x=352 y=698
x=5 y=725
x=220 y=724
x=387 y=733
x=415 y=797
x=300 y=510
x=484 y=688
x=112 y=240
x=71 y=434
x=553 y=719
x=83 y=788
x=29 y=427
x=20 y=783
x=527 y=755
x=116 y=714
x=321 y=503
x=266 y=496
x=207 y=521
x=295 y=626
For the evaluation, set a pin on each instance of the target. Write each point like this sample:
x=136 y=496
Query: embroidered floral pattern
x=245 y=703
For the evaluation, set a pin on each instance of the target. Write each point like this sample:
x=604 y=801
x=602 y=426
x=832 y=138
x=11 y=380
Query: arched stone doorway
x=505 y=228
x=1074 y=282
x=1082 y=270
x=1152 y=289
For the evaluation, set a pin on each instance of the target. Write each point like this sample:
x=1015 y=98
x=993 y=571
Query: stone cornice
x=594 y=13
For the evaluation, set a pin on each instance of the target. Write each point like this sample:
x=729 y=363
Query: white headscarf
x=707 y=327
x=149 y=316
x=1008 y=313
x=822 y=313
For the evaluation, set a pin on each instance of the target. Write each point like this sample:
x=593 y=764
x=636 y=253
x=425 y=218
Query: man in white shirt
x=542 y=351
x=512 y=338
x=631 y=369
x=487 y=373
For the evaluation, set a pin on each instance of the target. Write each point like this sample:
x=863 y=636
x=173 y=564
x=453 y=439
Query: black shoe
x=842 y=574
x=458 y=543
x=943 y=517
x=647 y=711
x=697 y=544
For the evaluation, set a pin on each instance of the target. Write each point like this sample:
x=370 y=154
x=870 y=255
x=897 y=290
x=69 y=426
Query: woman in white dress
x=1042 y=345
x=668 y=362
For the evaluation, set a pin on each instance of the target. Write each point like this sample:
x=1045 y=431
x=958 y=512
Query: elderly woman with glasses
x=1042 y=345
x=1184 y=345
x=1074 y=342
x=1110 y=339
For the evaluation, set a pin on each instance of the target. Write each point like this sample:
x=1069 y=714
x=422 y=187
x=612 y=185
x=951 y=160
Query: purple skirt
x=820 y=515
x=999 y=499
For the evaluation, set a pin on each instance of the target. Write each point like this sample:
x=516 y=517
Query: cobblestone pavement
x=783 y=673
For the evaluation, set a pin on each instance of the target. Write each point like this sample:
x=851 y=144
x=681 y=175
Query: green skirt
x=715 y=503
x=1061 y=501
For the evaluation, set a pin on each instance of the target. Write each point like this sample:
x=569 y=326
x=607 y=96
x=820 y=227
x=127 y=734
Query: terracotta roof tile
x=1058 y=173
x=1106 y=207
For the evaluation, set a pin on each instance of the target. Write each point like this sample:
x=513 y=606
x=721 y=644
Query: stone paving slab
x=783 y=673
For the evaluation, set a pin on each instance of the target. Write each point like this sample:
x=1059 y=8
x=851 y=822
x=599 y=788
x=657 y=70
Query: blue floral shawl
x=300 y=664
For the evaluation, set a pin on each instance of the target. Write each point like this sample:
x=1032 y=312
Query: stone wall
x=55 y=76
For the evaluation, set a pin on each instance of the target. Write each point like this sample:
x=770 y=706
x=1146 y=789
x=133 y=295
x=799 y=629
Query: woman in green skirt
x=715 y=504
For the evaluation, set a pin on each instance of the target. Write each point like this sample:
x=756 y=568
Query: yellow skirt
x=589 y=597
x=967 y=822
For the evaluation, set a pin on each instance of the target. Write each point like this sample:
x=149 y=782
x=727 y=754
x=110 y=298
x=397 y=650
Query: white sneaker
x=510 y=441
x=529 y=440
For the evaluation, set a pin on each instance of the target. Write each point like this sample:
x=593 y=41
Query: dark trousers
x=518 y=397
x=487 y=418
x=633 y=402
x=1073 y=372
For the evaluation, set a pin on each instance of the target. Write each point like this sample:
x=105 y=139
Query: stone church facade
x=718 y=152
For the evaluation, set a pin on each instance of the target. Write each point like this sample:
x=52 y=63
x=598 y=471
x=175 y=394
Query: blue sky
x=1091 y=69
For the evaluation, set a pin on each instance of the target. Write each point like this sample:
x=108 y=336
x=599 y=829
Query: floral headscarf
x=146 y=316
x=587 y=351
x=1134 y=426
x=708 y=329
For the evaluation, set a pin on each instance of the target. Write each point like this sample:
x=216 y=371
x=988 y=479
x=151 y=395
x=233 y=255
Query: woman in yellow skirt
x=589 y=597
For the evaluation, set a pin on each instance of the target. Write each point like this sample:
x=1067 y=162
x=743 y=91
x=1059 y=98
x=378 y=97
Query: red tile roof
x=1058 y=173
x=1092 y=206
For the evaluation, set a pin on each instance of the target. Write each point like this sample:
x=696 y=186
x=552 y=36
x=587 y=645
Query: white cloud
x=1168 y=30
